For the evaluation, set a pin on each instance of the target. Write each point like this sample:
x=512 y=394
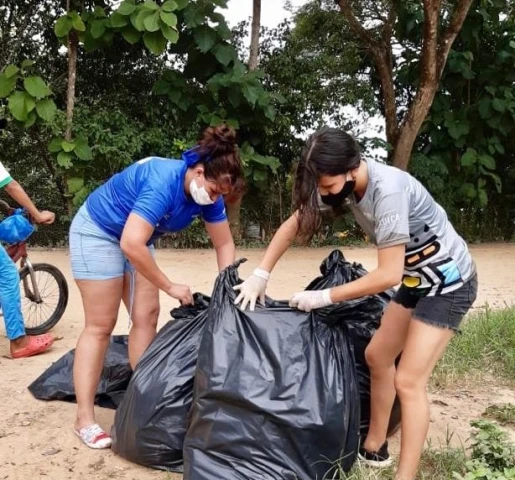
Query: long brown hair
x=329 y=151
x=220 y=155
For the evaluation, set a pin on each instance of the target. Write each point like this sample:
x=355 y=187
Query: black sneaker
x=379 y=459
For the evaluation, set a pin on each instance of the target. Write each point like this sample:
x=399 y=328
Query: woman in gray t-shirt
x=417 y=247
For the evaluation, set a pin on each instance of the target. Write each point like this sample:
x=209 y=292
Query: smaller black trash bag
x=56 y=383
x=362 y=316
x=276 y=395
x=150 y=423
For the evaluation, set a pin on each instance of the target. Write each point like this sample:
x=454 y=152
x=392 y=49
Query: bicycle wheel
x=40 y=317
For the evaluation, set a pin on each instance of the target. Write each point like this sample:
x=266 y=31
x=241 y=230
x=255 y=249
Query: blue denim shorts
x=95 y=254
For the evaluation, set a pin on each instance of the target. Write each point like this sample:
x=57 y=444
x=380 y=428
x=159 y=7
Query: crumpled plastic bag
x=15 y=228
x=276 y=394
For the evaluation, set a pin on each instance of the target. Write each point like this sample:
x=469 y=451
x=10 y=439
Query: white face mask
x=199 y=194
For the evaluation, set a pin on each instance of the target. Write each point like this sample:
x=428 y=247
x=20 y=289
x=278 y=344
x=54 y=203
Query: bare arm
x=133 y=243
x=388 y=273
x=280 y=243
x=221 y=236
x=16 y=191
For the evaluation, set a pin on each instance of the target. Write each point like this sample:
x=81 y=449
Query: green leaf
x=20 y=104
x=496 y=179
x=99 y=12
x=469 y=157
x=169 y=18
x=225 y=54
x=55 y=145
x=487 y=161
x=31 y=120
x=181 y=4
x=171 y=34
x=83 y=150
x=233 y=123
x=68 y=146
x=46 y=109
x=151 y=22
x=63 y=26
x=499 y=105
x=36 y=87
x=11 y=70
x=131 y=35
x=250 y=92
x=75 y=184
x=234 y=97
x=155 y=42
x=151 y=5
x=98 y=28
x=468 y=190
x=126 y=8
x=118 y=21
x=206 y=38
x=138 y=19
x=169 y=6
x=6 y=85
x=27 y=63
x=215 y=120
x=64 y=160
x=512 y=43
x=484 y=108
x=78 y=24
x=482 y=197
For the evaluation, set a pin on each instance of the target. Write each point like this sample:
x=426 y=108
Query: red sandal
x=37 y=344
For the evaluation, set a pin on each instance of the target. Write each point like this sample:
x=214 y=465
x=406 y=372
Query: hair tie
x=191 y=157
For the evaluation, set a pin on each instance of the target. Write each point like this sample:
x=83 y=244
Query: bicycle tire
x=63 y=296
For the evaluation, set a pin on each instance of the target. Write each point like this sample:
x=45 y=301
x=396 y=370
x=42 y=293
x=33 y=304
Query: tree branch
x=381 y=50
x=451 y=32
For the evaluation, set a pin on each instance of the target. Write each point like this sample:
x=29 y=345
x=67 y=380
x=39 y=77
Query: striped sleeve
x=5 y=177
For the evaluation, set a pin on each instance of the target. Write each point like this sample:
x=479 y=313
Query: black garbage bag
x=363 y=317
x=56 y=383
x=276 y=396
x=150 y=423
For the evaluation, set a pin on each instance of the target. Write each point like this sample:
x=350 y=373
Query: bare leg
x=425 y=345
x=101 y=301
x=380 y=354
x=145 y=312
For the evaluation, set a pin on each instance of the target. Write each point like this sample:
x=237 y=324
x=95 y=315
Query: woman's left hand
x=311 y=299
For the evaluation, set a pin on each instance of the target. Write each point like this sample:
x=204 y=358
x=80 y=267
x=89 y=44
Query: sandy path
x=29 y=429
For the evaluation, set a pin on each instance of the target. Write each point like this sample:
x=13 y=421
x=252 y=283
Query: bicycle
x=41 y=299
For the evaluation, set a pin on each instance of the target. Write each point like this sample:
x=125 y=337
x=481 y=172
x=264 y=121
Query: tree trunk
x=435 y=51
x=234 y=208
x=70 y=100
x=254 y=34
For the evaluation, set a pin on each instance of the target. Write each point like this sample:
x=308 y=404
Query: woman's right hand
x=181 y=293
x=252 y=289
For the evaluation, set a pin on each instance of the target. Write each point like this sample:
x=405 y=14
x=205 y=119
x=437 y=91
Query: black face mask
x=337 y=199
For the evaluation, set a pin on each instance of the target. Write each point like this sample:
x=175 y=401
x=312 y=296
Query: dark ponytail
x=329 y=151
x=220 y=155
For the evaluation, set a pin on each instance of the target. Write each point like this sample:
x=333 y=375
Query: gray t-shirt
x=396 y=209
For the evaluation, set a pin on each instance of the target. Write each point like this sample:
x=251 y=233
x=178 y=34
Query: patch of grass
x=504 y=413
x=485 y=346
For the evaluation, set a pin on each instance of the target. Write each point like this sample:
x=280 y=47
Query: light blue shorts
x=95 y=254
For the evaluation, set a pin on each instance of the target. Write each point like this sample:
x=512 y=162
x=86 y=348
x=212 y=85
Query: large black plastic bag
x=363 y=317
x=150 y=423
x=56 y=383
x=276 y=395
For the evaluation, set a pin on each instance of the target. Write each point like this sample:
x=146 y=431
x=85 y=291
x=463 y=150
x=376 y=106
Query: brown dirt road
x=36 y=440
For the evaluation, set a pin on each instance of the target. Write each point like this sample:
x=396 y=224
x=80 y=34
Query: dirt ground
x=36 y=440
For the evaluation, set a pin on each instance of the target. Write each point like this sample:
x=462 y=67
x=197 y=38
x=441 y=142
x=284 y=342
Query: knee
x=377 y=359
x=100 y=330
x=407 y=385
x=146 y=318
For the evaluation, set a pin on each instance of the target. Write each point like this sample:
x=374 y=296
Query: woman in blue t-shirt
x=111 y=251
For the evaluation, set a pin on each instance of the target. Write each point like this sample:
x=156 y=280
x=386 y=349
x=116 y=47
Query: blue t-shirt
x=153 y=188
